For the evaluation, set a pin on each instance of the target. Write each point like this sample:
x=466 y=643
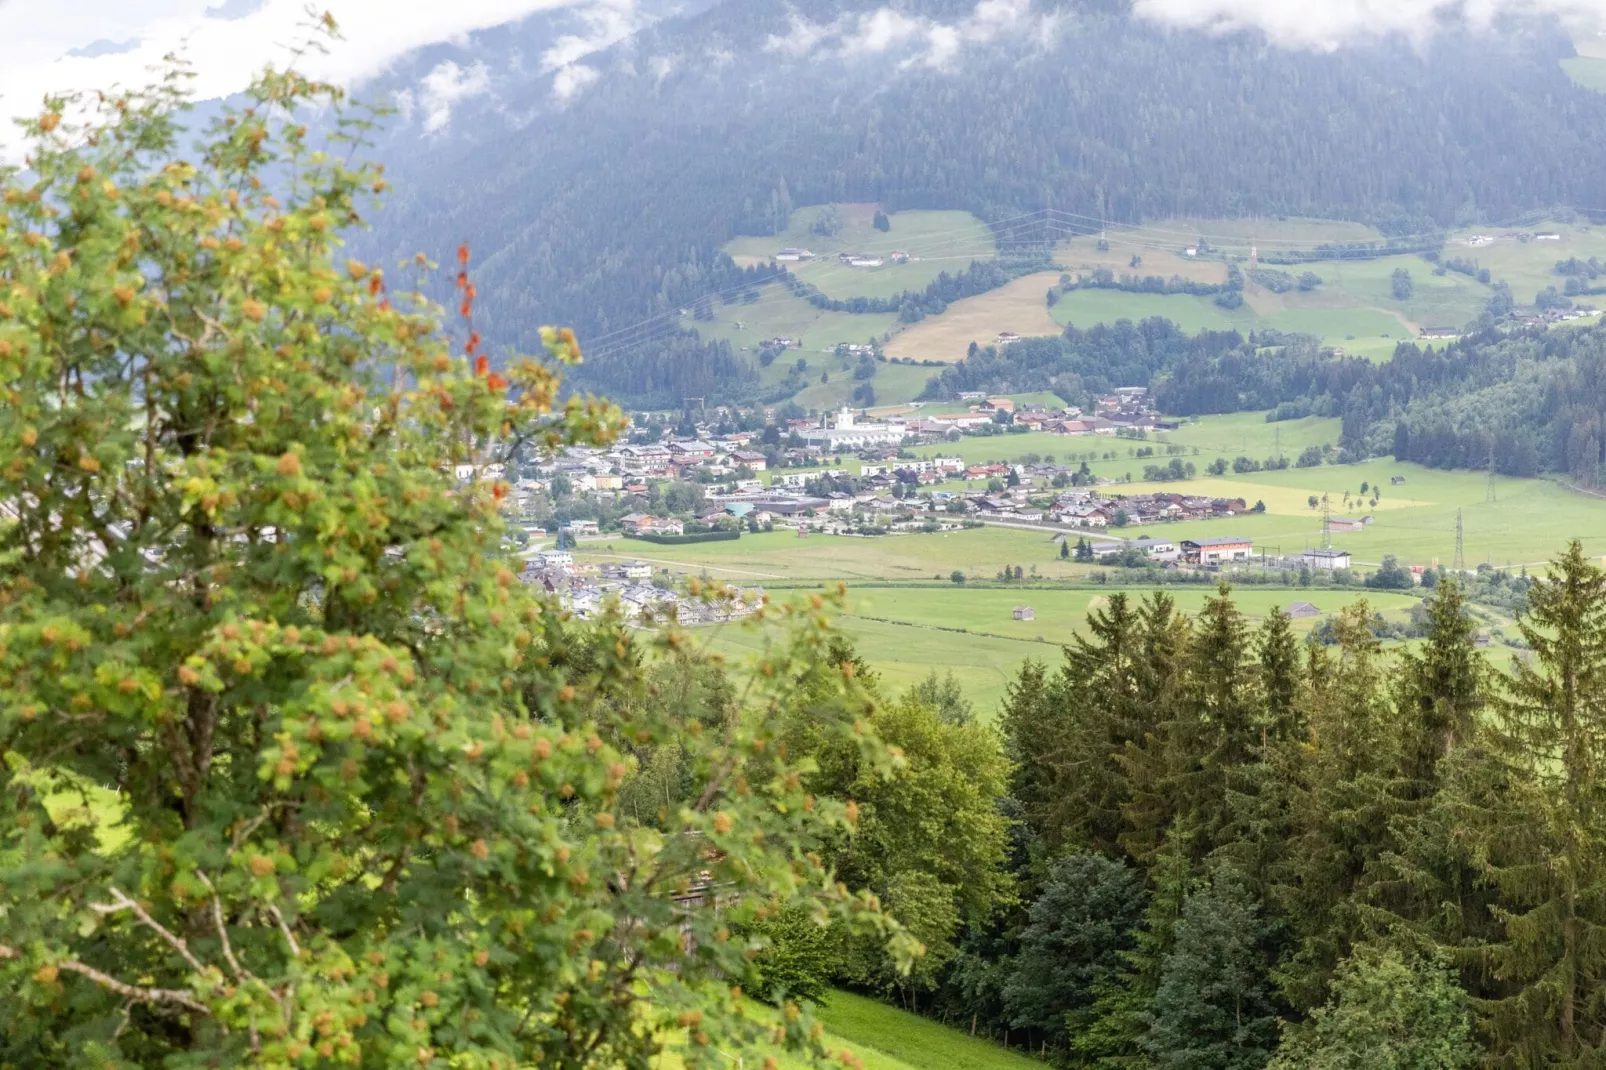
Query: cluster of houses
x=626 y=588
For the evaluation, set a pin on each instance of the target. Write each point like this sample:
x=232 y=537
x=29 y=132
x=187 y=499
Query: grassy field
x=935 y=241
x=1019 y=307
x=1249 y=434
x=1085 y=308
x=778 y=313
x=1527 y=523
x=780 y=556
x=916 y=1042
x=885 y=1038
x=1354 y=308
x=1530 y=266
x=907 y=633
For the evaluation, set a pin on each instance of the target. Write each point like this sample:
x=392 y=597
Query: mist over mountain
x=597 y=158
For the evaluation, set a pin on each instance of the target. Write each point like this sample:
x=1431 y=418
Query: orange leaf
x=462 y=253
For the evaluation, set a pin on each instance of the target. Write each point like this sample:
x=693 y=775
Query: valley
x=1354 y=308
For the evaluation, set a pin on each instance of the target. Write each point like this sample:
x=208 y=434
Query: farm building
x=1345 y=523
x=1216 y=551
x=1024 y=613
x=1302 y=610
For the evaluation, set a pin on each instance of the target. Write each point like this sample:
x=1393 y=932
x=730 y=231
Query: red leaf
x=462 y=253
x=496 y=382
x=482 y=365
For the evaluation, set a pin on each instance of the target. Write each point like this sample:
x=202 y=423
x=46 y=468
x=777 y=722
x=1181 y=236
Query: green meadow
x=906 y=633
x=935 y=241
x=886 y=1038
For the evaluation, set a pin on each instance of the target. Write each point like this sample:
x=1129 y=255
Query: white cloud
x=446 y=85
x=571 y=79
x=801 y=37
x=37 y=35
x=880 y=30
x=1325 y=25
x=607 y=22
x=927 y=42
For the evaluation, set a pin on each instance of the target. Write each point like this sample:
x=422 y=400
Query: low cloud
x=445 y=86
x=605 y=23
x=1325 y=25
x=922 y=41
x=570 y=80
x=225 y=41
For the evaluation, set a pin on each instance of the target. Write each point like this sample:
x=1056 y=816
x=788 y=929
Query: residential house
x=555 y=559
x=748 y=459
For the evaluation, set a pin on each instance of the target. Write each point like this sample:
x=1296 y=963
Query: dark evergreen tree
x=1213 y=1008
x=1441 y=691
x=1339 y=801
x=1084 y=917
x=1545 y=843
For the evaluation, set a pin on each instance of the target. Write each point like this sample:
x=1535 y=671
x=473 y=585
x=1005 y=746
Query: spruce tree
x=1545 y=844
x=1441 y=690
x=1277 y=659
x=1072 y=726
x=1213 y=1008
x=1425 y=887
x=1338 y=802
x=1071 y=945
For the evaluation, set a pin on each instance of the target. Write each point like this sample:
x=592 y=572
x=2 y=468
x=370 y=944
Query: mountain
x=597 y=192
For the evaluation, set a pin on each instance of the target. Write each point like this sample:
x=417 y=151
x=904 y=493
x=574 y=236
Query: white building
x=555 y=559
x=1328 y=559
x=848 y=433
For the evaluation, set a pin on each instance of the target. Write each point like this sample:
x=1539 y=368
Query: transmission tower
x=1277 y=442
x=1459 y=563
x=1327 y=523
x=1488 y=490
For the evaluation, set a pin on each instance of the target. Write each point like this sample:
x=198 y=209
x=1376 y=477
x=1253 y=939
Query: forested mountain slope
x=598 y=193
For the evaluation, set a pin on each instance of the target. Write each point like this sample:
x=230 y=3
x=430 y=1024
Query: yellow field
x=1021 y=307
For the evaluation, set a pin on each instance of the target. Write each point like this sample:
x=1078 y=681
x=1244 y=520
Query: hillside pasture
x=1086 y=308
x=1020 y=307
x=936 y=241
x=1530 y=266
x=778 y=313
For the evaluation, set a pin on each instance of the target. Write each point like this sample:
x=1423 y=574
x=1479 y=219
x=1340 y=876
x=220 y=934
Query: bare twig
x=240 y=973
x=121 y=903
x=182 y=997
x=289 y=937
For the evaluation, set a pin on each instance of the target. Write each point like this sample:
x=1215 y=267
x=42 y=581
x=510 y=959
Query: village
x=844 y=475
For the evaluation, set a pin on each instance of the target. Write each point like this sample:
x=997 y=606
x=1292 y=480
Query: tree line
x=1230 y=848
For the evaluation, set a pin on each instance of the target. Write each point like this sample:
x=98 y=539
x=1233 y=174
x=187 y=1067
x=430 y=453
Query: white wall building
x=848 y=433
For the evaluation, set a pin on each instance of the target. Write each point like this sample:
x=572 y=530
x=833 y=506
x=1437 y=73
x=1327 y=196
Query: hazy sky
x=52 y=45
x=49 y=45
x=1328 y=24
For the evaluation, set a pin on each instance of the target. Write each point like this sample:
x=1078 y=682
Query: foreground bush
x=295 y=771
